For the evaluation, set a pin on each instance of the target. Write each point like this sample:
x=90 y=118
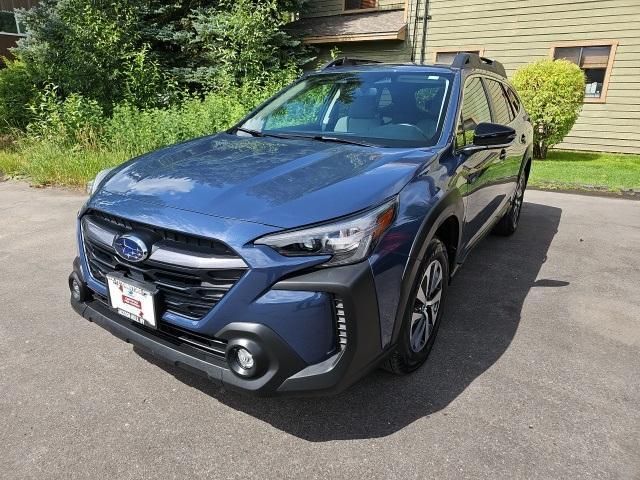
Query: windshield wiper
x=325 y=138
x=255 y=133
x=320 y=138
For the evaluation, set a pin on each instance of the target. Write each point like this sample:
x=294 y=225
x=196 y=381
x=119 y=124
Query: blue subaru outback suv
x=315 y=240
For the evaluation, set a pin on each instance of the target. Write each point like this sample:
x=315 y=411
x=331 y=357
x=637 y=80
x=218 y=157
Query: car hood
x=279 y=182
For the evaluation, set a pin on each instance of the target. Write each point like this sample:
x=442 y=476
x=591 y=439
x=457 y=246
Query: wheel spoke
x=437 y=278
x=418 y=333
x=426 y=306
x=421 y=297
x=435 y=299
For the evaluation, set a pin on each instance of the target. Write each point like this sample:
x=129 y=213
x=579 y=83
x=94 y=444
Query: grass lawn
x=587 y=171
x=45 y=164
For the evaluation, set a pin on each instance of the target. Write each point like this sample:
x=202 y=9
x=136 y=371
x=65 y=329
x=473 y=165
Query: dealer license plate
x=133 y=300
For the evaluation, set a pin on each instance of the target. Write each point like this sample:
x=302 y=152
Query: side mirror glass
x=493 y=135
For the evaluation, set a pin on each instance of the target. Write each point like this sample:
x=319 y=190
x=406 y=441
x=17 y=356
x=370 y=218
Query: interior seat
x=362 y=116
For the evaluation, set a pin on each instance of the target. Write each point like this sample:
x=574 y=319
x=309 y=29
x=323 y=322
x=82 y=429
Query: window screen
x=501 y=111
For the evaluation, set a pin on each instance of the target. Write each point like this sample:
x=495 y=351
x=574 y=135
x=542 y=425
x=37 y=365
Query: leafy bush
x=213 y=44
x=138 y=131
x=240 y=40
x=93 y=49
x=552 y=92
x=98 y=82
x=74 y=121
x=16 y=93
x=141 y=52
x=70 y=140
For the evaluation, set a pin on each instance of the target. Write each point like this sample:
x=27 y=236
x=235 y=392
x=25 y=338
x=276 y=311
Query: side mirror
x=493 y=135
x=490 y=135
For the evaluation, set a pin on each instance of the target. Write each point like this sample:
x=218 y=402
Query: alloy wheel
x=517 y=201
x=426 y=306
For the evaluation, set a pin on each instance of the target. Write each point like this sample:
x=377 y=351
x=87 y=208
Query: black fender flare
x=451 y=205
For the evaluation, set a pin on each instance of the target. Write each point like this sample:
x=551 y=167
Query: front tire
x=423 y=313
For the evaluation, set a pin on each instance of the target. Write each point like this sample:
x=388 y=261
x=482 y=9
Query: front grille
x=120 y=224
x=341 y=323
x=178 y=336
x=212 y=346
x=188 y=292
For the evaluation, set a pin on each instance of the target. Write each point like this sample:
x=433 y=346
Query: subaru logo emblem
x=131 y=248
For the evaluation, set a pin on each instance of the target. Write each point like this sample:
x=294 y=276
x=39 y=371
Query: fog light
x=245 y=359
x=75 y=290
x=78 y=290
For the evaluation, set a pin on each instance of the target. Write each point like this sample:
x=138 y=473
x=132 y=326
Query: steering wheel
x=420 y=131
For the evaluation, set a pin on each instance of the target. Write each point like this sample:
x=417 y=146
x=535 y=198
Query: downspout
x=414 y=37
x=425 y=17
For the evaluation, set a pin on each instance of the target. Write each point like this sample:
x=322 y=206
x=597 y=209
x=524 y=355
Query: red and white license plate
x=133 y=300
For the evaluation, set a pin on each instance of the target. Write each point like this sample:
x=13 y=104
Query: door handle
x=523 y=138
x=503 y=154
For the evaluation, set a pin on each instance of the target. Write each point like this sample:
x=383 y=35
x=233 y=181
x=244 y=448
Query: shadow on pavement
x=482 y=315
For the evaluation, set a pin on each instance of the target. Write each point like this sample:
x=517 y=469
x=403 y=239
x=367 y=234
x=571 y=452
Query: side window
x=475 y=110
x=513 y=100
x=501 y=111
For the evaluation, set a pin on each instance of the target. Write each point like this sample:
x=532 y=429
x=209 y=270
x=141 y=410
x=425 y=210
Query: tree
x=233 y=41
x=552 y=92
x=16 y=92
x=92 y=48
x=141 y=51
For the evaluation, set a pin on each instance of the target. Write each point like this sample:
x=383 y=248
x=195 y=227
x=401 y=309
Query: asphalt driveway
x=535 y=373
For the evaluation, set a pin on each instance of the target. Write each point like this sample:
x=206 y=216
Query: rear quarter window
x=513 y=100
x=502 y=112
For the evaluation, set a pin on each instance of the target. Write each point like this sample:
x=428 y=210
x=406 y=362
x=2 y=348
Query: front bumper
x=284 y=372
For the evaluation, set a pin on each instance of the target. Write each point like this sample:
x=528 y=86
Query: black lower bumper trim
x=95 y=312
x=282 y=360
x=286 y=373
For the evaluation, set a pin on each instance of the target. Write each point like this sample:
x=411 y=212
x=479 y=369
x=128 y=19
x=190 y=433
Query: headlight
x=347 y=241
x=93 y=185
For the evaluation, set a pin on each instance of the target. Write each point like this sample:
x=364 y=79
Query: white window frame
x=15 y=19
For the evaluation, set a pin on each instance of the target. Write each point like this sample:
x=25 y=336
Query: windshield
x=388 y=109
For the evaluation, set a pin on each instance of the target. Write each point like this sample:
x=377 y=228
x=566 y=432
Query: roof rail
x=346 y=62
x=473 y=60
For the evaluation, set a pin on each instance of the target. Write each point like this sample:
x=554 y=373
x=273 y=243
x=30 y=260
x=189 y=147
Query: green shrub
x=75 y=121
x=233 y=42
x=141 y=52
x=138 y=131
x=16 y=93
x=70 y=140
x=552 y=92
x=93 y=49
